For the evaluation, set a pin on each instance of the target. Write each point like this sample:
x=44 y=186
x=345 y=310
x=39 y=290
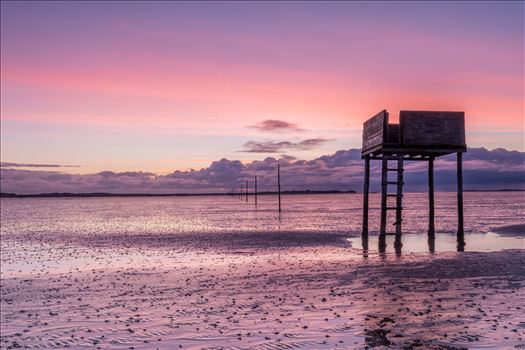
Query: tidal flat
x=165 y=273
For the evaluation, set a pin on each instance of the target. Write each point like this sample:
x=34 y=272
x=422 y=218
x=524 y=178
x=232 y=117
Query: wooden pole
x=366 y=188
x=240 y=193
x=384 y=179
x=246 y=191
x=255 y=190
x=399 y=195
x=431 y=228
x=279 y=185
x=460 y=191
x=460 y=235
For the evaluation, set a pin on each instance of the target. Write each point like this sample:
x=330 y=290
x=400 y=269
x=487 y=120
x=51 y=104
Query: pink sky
x=164 y=86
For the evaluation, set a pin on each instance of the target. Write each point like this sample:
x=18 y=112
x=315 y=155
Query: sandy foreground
x=235 y=291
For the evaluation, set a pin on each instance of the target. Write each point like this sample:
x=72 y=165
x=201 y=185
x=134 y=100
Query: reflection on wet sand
x=364 y=244
x=398 y=244
x=432 y=242
x=441 y=242
x=461 y=242
x=381 y=245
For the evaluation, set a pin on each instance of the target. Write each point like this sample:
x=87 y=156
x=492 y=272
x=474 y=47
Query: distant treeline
x=104 y=194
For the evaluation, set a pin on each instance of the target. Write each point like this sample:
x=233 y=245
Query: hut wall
x=375 y=132
x=424 y=128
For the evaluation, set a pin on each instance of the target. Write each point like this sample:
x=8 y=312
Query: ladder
x=385 y=195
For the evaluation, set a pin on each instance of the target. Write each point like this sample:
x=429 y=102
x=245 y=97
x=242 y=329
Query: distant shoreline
x=105 y=194
x=500 y=190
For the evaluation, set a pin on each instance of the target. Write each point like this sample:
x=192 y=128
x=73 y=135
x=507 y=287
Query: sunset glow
x=134 y=86
x=262 y=174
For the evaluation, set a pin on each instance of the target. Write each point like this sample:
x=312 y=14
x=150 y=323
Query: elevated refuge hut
x=419 y=136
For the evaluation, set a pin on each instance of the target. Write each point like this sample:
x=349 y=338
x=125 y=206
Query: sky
x=166 y=87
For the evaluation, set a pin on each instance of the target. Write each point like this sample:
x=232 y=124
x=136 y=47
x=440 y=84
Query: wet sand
x=240 y=291
x=510 y=230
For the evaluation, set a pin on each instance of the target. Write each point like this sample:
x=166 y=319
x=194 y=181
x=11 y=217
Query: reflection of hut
x=419 y=136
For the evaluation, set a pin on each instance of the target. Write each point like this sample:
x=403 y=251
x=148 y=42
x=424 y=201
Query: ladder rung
x=392 y=208
x=394 y=195
x=394 y=183
x=394 y=169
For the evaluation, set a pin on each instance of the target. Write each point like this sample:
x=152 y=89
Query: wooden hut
x=419 y=136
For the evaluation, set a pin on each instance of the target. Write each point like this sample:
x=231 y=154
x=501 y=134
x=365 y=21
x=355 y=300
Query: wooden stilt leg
x=384 y=179
x=431 y=229
x=460 y=235
x=399 y=195
x=365 y=196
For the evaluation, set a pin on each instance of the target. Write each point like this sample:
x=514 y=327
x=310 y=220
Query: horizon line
x=291 y=192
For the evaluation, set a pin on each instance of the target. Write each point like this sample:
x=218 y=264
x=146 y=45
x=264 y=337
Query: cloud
x=282 y=146
x=276 y=126
x=29 y=165
x=342 y=170
x=38 y=181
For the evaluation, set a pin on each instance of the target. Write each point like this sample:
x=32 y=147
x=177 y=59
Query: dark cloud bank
x=343 y=170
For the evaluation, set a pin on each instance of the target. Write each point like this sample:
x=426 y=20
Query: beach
x=262 y=175
x=66 y=284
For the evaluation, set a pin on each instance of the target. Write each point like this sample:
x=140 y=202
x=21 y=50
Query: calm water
x=339 y=213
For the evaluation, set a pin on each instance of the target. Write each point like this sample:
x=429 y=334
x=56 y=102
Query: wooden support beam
x=384 y=180
x=431 y=228
x=399 y=198
x=366 y=188
x=460 y=235
x=246 y=191
x=407 y=158
x=415 y=151
x=460 y=191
